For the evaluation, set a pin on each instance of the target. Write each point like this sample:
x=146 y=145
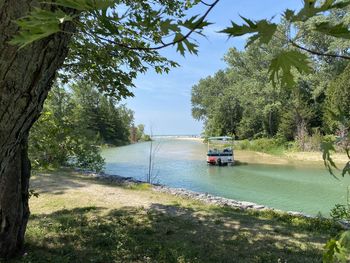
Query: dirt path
x=57 y=191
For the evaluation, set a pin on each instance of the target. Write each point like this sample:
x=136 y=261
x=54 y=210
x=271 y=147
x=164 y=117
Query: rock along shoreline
x=203 y=197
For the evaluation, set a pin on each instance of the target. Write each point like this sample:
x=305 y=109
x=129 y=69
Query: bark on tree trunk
x=26 y=76
x=14 y=212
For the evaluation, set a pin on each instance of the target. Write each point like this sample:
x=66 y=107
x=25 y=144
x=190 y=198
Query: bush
x=242 y=145
x=56 y=141
x=310 y=143
x=340 y=212
x=267 y=145
x=273 y=146
x=72 y=150
x=329 y=138
x=88 y=157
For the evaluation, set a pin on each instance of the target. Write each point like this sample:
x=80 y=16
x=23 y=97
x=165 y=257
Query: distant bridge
x=177 y=136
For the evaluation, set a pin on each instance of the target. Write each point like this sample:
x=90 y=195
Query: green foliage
x=263 y=29
x=340 y=212
x=73 y=125
x=339 y=30
x=87 y=156
x=284 y=62
x=337 y=116
x=269 y=109
x=338 y=249
x=84 y=5
x=327 y=148
x=271 y=146
x=60 y=144
x=337 y=104
x=101 y=115
x=241 y=100
x=133 y=38
x=210 y=98
x=33 y=193
x=297 y=24
x=140 y=135
x=113 y=41
x=39 y=24
x=313 y=7
x=242 y=145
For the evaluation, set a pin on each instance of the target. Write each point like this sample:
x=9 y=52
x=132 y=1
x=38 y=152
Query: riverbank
x=280 y=156
x=202 y=197
x=293 y=158
x=82 y=218
x=189 y=138
x=181 y=192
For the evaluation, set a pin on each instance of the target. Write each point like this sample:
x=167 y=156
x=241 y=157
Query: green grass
x=164 y=229
x=141 y=187
x=266 y=145
x=136 y=235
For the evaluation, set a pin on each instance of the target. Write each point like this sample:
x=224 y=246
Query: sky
x=163 y=102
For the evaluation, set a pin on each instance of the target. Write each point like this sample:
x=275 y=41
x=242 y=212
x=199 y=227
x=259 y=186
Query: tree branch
x=317 y=53
x=204 y=3
x=164 y=45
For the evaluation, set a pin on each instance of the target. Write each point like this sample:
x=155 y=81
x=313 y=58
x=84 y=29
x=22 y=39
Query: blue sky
x=164 y=101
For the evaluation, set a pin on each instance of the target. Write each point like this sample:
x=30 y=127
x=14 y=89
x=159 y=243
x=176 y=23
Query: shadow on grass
x=58 y=182
x=167 y=233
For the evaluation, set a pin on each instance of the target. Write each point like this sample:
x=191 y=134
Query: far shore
x=198 y=139
x=292 y=158
x=295 y=158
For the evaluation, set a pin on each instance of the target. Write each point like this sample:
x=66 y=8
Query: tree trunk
x=26 y=76
x=14 y=212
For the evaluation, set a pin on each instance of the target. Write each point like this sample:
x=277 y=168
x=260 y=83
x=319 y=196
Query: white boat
x=220 y=151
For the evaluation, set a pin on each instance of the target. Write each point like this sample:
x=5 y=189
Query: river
x=180 y=163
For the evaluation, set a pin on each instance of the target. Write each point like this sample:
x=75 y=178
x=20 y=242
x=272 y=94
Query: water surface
x=182 y=163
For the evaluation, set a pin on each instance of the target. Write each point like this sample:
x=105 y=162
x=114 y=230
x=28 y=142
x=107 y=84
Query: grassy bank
x=80 y=219
x=265 y=145
x=285 y=150
x=275 y=151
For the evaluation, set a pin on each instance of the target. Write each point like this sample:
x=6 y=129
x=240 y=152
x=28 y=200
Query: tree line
x=241 y=100
x=76 y=121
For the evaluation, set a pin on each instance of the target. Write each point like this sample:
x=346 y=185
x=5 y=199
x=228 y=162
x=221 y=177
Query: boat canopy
x=220 y=138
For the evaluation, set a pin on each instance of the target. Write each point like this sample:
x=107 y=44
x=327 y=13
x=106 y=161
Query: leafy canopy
x=114 y=40
x=284 y=62
x=264 y=30
x=117 y=39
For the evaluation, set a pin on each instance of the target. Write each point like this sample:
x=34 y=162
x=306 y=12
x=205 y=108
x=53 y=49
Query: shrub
x=242 y=145
x=88 y=157
x=340 y=212
x=267 y=145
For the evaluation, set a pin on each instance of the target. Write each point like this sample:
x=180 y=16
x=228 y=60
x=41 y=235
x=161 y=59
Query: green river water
x=182 y=163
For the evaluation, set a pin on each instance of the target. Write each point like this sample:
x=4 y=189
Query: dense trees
x=242 y=100
x=338 y=101
x=75 y=121
x=98 y=114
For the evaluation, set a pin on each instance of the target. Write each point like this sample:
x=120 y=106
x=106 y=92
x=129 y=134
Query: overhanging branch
x=163 y=45
x=317 y=53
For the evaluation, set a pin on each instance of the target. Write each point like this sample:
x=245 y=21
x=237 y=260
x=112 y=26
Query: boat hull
x=220 y=159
